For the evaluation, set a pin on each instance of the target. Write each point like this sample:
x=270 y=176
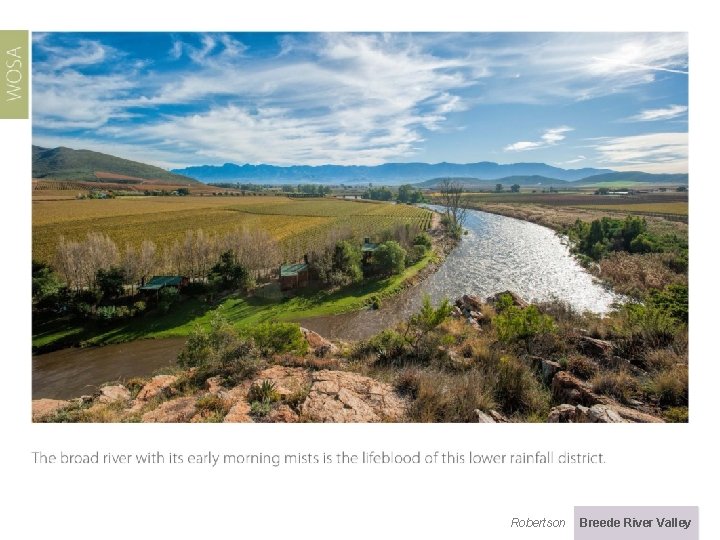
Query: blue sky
x=176 y=99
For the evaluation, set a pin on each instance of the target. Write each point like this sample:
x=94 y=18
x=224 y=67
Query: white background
x=648 y=464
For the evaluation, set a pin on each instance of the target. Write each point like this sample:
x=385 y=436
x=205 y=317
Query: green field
x=130 y=220
x=670 y=208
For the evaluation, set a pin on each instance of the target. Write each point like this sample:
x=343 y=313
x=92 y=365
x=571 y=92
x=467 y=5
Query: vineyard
x=297 y=224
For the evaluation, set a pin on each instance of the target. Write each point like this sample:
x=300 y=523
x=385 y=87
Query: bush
x=220 y=346
x=514 y=323
x=443 y=397
x=110 y=282
x=582 y=367
x=416 y=254
x=673 y=300
x=617 y=384
x=195 y=288
x=670 y=386
x=423 y=239
x=389 y=258
x=168 y=296
x=649 y=325
x=516 y=389
x=139 y=307
x=677 y=415
x=229 y=274
x=263 y=392
x=277 y=338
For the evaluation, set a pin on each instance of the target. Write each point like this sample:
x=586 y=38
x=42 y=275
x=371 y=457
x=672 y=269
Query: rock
x=160 y=384
x=498 y=417
x=214 y=386
x=320 y=346
x=596 y=347
x=604 y=414
x=631 y=415
x=456 y=312
x=340 y=396
x=563 y=414
x=176 y=410
x=282 y=414
x=287 y=380
x=567 y=388
x=516 y=299
x=43 y=408
x=111 y=394
x=548 y=369
x=239 y=413
x=484 y=418
x=471 y=302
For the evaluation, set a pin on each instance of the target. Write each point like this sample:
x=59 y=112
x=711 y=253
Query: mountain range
x=67 y=164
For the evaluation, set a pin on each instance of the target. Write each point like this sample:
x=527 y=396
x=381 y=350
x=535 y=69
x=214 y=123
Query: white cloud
x=578 y=159
x=652 y=152
x=667 y=113
x=550 y=137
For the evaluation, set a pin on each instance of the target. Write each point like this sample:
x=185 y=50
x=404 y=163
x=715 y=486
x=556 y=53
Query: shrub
x=514 y=323
x=168 y=296
x=677 y=415
x=415 y=254
x=218 y=346
x=648 y=324
x=515 y=387
x=263 y=392
x=423 y=239
x=213 y=405
x=110 y=282
x=617 y=384
x=582 y=367
x=444 y=397
x=276 y=338
x=139 y=307
x=389 y=258
x=670 y=386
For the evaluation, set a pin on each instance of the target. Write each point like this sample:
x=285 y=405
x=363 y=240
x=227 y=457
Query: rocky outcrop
x=113 y=394
x=158 y=385
x=44 y=408
x=598 y=348
x=319 y=345
x=288 y=381
x=567 y=388
x=178 y=410
x=282 y=414
x=339 y=396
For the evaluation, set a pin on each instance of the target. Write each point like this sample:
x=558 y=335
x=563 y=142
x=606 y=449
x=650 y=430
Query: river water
x=497 y=253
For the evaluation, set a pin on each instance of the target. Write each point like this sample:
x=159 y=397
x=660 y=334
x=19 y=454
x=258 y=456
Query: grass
x=670 y=208
x=240 y=311
x=166 y=219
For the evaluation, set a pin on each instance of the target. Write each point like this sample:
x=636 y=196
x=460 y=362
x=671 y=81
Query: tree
x=183 y=191
x=455 y=205
x=389 y=258
x=347 y=260
x=515 y=188
x=46 y=284
x=228 y=274
x=498 y=188
x=681 y=189
x=111 y=282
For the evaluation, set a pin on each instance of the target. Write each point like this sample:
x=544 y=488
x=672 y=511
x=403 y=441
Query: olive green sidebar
x=14 y=79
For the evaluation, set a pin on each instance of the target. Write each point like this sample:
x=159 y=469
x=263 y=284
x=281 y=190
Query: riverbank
x=628 y=274
x=265 y=304
x=465 y=363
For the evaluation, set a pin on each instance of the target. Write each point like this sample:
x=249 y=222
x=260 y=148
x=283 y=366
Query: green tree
x=110 y=282
x=498 y=188
x=389 y=258
x=229 y=274
x=347 y=261
x=515 y=188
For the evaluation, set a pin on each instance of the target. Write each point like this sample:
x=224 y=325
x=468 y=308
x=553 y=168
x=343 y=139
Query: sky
x=573 y=100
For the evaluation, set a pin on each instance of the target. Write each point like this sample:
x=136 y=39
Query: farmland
x=130 y=220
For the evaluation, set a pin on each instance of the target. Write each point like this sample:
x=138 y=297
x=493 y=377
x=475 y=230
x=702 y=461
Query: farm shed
x=157 y=283
x=293 y=276
x=368 y=248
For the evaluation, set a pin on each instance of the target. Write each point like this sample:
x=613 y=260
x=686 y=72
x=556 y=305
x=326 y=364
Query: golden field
x=130 y=220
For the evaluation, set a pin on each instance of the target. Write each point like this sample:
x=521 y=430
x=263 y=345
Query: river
x=498 y=253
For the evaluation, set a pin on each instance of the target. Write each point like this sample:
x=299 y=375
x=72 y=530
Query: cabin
x=294 y=276
x=157 y=283
x=368 y=248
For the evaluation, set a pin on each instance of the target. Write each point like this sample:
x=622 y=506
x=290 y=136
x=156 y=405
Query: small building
x=368 y=248
x=157 y=283
x=294 y=276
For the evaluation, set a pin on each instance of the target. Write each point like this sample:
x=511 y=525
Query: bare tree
x=147 y=260
x=451 y=197
x=130 y=267
x=68 y=263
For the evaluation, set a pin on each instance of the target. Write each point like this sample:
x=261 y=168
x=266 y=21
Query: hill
x=506 y=181
x=387 y=173
x=634 y=176
x=85 y=165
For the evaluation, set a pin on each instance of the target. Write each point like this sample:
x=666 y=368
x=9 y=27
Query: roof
x=158 y=282
x=369 y=246
x=288 y=270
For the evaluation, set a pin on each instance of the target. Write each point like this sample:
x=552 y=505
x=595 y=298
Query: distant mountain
x=388 y=173
x=534 y=180
x=635 y=176
x=67 y=164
